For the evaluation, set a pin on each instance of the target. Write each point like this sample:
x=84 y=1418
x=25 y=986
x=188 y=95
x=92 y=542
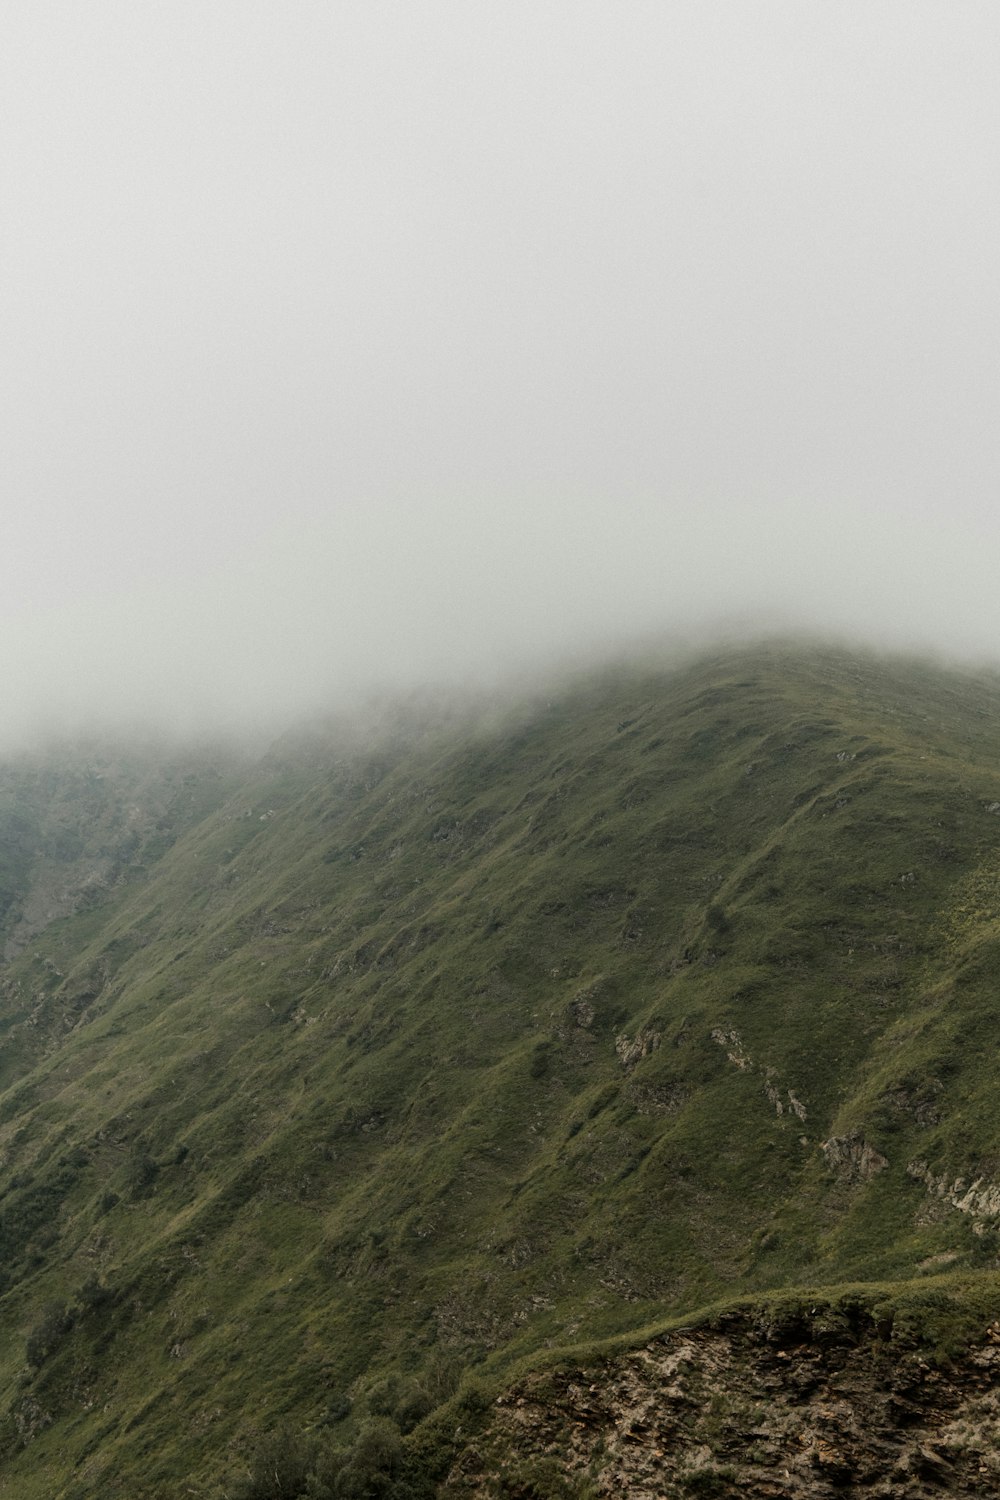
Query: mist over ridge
x=517 y=1037
x=384 y=714
x=355 y=352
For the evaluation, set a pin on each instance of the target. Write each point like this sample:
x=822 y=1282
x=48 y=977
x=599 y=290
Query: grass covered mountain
x=343 y=1086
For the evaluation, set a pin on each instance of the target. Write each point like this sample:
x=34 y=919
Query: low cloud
x=363 y=347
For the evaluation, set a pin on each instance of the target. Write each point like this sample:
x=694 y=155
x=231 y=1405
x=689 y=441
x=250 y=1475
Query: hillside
x=364 y=1077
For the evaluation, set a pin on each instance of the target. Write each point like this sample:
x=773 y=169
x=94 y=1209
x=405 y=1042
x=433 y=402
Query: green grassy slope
x=399 y=1062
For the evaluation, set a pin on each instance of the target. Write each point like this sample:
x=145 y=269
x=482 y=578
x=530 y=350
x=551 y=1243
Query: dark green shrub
x=142 y=1172
x=473 y=1397
x=406 y=1402
x=412 y=1407
x=95 y=1294
x=338 y=1407
x=374 y=1469
x=280 y=1467
x=540 y=1060
x=383 y=1395
x=717 y=919
x=55 y=1322
x=287 y=1465
x=711 y=1480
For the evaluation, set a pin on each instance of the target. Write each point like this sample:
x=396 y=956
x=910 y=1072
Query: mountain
x=357 y=1092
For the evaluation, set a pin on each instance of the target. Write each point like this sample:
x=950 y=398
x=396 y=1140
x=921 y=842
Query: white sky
x=380 y=340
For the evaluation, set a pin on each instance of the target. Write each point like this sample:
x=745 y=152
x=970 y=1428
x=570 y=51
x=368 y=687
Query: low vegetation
x=363 y=1077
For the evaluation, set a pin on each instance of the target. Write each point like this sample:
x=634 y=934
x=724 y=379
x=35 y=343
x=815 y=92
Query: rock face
x=632 y=1050
x=980 y=1198
x=805 y=1412
x=852 y=1157
x=782 y=1100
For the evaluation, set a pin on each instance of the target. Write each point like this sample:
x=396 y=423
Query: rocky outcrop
x=782 y=1100
x=730 y=1039
x=980 y=1198
x=808 y=1411
x=852 y=1157
x=631 y=1050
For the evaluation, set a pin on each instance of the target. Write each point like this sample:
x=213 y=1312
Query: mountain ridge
x=395 y=1063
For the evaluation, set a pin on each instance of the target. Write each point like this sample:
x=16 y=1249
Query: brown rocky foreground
x=803 y=1409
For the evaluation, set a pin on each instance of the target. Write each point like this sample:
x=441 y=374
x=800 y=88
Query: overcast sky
x=385 y=340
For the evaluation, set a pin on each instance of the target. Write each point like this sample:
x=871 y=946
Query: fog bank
x=360 y=346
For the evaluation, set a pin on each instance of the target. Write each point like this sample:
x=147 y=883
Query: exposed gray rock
x=582 y=1012
x=632 y=1050
x=852 y=1157
x=980 y=1198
